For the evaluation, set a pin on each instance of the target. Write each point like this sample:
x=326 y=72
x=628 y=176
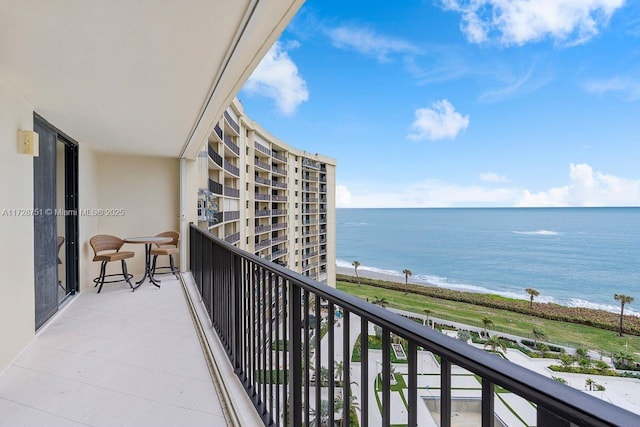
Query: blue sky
x=461 y=102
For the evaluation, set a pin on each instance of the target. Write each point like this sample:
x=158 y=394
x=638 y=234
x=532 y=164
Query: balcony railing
x=261 y=164
x=259 y=196
x=309 y=254
x=309 y=211
x=263 y=212
x=279 y=212
x=279 y=239
x=261 y=180
x=278 y=170
x=279 y=156
x=277 y=198
x=310 y=164
x=310 y=200
x=263 y=244
x=278 y=253
x=231 y=215
x=261 y=313
x=263 y=149
x=218 y=131
x=232 y=238
x=214 y=155
x=279 y=225
x=279 y=184
x=232 y=123
x=310 y=189
x=231 y=192
x=262 y=229
x=232 y=145
x=231 y=168
x=215 y=187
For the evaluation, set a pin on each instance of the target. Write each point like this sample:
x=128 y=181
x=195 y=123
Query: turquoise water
x=573 y=256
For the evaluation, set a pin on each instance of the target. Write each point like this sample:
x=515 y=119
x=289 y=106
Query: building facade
x=268 y=198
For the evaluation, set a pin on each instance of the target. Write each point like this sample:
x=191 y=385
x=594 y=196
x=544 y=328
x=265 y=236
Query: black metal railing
x=231 y=192
x=215 y=156
x=231 y=215
x=232 y=238
x=215 y=187
x=279 y=331
x=277 y=198
x=231 y=168
x=263 y=212
x=232 y=145
x=218 y=131
x=232 y=123
x=279 y=171
x=279 y=225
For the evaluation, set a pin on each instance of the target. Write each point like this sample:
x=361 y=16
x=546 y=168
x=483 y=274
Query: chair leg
x=153 y=265
x=173 y=267
x=97 y=281
x=125 y=273
x=103 y=271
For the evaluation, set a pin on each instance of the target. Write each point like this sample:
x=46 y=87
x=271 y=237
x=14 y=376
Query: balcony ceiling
x=136 y=77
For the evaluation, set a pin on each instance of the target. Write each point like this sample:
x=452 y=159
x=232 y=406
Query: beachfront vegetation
x=407 y=273
x=356 y=264
x=622 y=299
x=532 y=293
x=459 y=307
x=495 y=343
x=486 y=323
x=579 y=315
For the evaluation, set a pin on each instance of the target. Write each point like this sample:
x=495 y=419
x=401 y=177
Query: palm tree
x=356 y=264
x=623 y=299
x=487 y=323
x=338 y=367
x=427 y=312
x=407 y=273
x=382 y=302
x=324 y=414
x=532 y=293
x=495 y=342
x=538 y=334
x=589 y=383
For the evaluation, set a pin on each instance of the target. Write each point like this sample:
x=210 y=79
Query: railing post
x=548 y=418
x=295 y=358
x=487 y=403
x=236 y=311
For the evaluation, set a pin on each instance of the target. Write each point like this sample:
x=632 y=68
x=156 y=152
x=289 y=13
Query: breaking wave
x=539 y=233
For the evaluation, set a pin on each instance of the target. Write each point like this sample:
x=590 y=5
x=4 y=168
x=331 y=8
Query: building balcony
x=231 y=192
x=309 y=211
x=232 y=123
x=231 y=216
x=309 y=266
x=262 y=181
x=278 y=254
x=263 y=244
x=263 y=149
x=231 y=145
x=279 y=225
x=232 y=238
x=310 y=200
x=311 y=178
x=309 y=254
x=217 y=131
x=279 y=184
x=310 y=164
x=278 y=170
x=279 y=156
x=263 y=165
x=260 y=196
x=274 y=305
x=215 y=187
x=262 y=212
x=213 y=155
x=279 y=239
x=277 y=198
x=262 y=229
x=279 y=212
x=233 y=170
x=308 y=189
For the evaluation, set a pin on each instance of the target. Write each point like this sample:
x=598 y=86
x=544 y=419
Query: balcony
x=309 y=211
x=260 y=196
x=231 y=192
x=309 y=254
x=262 y=229
x=231 y=216
x=279 y=156
x=279 y=184
x=213 y=155
x=232 y=123
x=263 y=165
x=278 y=170
x=279 y=239
x=277 y=198
x=310 y=164
x=261 y=148
x=255 y=305
x=263 y=244
x=278 y=253
x=279 y=212
x=231 y=145
x=263 y=181
x=278 y=225
x=262 y=212
x=232 y=238
x=215 y=187
x=309 y=221
x=218 y=131
x=233 y=170
x=310 y=200
x=308 y=189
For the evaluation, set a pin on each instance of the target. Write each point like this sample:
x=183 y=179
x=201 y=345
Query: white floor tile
x=199 y=419
x=188 y=393
x=159 y=415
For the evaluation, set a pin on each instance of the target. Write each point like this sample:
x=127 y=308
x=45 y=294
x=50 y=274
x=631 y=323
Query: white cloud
x=524 y=85
x=587 y=188
x=277 y=77
x=439 y=121
x=517 y=22
x=343 y=196
x=627 y=88
x=493 y=177
x=368 y=42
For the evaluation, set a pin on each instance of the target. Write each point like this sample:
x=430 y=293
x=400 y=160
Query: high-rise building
x=269 y=198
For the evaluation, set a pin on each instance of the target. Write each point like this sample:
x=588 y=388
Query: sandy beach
x=375 y=275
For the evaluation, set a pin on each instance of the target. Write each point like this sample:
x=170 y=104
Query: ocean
x=573 y=256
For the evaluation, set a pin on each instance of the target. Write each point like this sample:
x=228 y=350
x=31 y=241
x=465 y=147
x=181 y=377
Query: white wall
x=147 y=190
x=87 y=225
x=17 y=316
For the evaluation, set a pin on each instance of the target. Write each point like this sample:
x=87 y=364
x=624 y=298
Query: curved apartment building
x=267 y=197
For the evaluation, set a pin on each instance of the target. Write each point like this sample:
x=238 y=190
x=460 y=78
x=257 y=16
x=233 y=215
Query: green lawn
x=504 y=321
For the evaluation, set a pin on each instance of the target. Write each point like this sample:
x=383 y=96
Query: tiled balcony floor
x=114 y=358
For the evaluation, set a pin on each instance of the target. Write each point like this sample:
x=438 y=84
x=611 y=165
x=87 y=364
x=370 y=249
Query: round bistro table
x=147 y=241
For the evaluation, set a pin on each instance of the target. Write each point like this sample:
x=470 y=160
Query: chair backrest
x=105 y=242
x=175 y=237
